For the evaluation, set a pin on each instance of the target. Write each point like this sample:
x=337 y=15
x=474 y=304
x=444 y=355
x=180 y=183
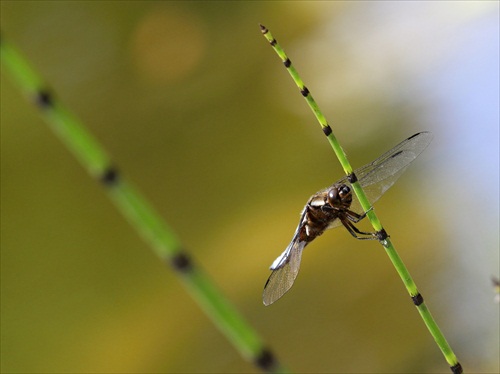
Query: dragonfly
x=337 y=205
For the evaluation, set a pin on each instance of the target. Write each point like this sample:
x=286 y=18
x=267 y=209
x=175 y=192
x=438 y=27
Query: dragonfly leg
x=355 y=232
x=355 y=217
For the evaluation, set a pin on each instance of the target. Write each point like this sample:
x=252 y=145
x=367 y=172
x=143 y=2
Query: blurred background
x=198 y=112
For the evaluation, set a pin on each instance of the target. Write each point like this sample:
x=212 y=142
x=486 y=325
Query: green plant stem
x=140 y=214
x=377 y=226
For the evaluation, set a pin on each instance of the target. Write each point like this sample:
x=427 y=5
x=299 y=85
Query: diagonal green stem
x=381 y=234
x=140 y=214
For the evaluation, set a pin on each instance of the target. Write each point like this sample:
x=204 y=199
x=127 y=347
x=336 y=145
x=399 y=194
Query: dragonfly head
x=340 y=195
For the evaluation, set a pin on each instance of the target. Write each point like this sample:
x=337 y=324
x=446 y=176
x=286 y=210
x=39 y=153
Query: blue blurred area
x=197 y=110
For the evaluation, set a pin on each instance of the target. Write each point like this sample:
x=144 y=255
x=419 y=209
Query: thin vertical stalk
x=139 y=213
x=381 y=234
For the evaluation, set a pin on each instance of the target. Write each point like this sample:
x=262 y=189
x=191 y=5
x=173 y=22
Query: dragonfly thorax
x=323 y=209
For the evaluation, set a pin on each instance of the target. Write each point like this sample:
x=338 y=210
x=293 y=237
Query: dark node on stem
x=181 y=262
x=265 y=360
x=287 y=63
x=263 y=29
x=304 y=91
x=352 y=178
x=110 y=176
x=44 y=99
x=457 y=369
x=382 y=235
x=273 y=42
x=327 y=130
x=417 y=299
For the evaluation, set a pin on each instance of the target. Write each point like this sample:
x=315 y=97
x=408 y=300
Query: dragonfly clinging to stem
x=335 y=206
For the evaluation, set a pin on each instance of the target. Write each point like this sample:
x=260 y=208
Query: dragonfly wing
x=378 y=176
x=285 y=269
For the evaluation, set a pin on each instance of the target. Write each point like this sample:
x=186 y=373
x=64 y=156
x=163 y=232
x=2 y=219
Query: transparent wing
x=284 y=273
x=286 y=267
x=378 y=176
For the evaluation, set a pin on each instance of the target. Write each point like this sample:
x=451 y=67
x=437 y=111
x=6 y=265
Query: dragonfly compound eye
x=333 y=196
x=344 y=191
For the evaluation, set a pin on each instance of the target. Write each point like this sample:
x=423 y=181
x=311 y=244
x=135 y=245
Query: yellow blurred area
x=156 y=57
x=197 y=111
